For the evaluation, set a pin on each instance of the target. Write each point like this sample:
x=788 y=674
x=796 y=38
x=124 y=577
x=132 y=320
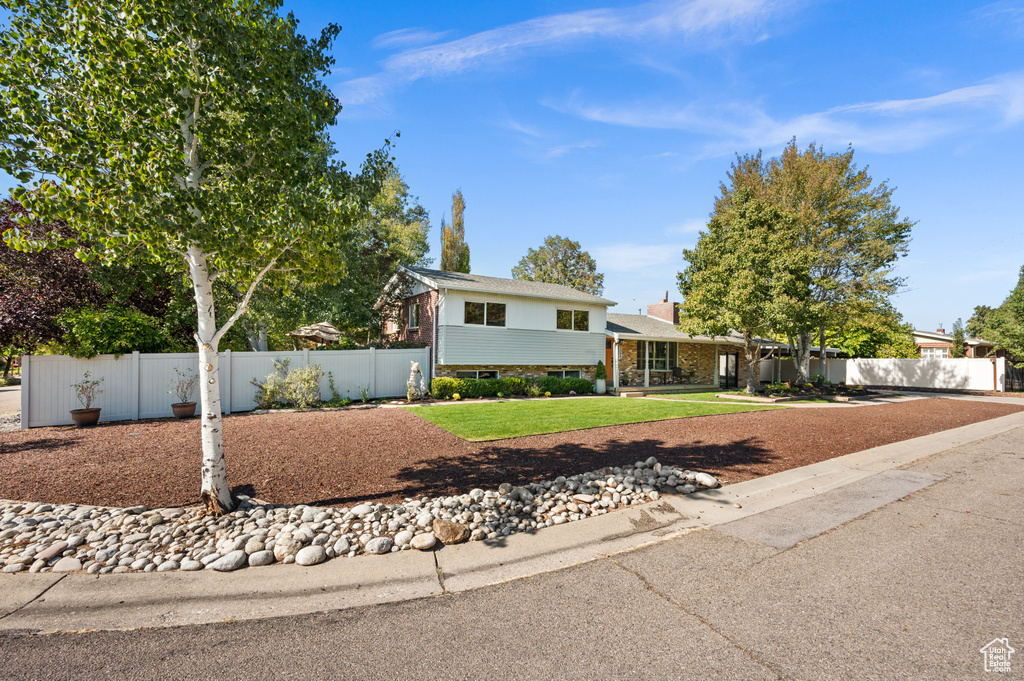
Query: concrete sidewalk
x=778 y=511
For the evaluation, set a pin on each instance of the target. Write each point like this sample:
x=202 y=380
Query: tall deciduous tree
x=1005 y=325
x=854 y=233
x=36 y=287
x=195 y=131
x=979 y=319
x=454 y=249
x=743 y=273
x=959 y=346
x=561 y=261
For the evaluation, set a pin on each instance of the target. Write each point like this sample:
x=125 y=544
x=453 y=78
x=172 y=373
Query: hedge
x=444 y=388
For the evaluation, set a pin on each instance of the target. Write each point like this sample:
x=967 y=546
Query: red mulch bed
x=341 y=457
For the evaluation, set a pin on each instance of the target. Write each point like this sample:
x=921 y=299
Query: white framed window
x=483 y=373
x=934 y=353
x=572 y=320
x=414 y=316
x=568 y=373
x=485 y=314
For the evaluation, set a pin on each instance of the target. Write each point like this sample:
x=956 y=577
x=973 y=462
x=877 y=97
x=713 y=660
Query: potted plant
x=183 y=386
x=600 y=377
x=86 y=390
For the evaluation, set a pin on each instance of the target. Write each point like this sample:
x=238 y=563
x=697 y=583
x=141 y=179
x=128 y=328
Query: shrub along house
x=489 y=327
x=649 y=351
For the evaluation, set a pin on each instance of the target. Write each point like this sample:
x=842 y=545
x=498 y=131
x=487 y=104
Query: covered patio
x=649 y=353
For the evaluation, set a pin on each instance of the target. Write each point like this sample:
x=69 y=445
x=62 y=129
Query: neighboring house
x=939 y=345
x=489 y=327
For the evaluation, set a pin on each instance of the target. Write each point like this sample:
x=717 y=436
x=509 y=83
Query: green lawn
x=700 y=396
x=500 y=420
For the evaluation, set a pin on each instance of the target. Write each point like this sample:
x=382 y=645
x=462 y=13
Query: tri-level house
x=490 y=327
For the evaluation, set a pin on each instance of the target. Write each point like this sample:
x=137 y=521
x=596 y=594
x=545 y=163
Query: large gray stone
x=424 y=542
x=311 y=555
x=232 y=561
x=379 y=545
x=261 y=558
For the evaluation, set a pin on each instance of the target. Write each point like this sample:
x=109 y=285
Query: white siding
x=942 y=374
x=534 y=314
x=503 y=346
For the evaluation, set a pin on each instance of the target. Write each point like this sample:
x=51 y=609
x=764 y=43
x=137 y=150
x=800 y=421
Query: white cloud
x=662 y=19
x=889 y=125
x=691 y=226
x=408 y=36
x=637 y=258
x=563 y=149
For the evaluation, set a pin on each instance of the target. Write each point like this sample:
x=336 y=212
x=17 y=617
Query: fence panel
x=136 y=385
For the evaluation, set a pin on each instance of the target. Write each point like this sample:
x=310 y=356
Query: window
x=572 y=320
x=414 y=316
x=934 y=353
x=662 y=355
x=485 y=373
x=489 y=314
x=575 y=373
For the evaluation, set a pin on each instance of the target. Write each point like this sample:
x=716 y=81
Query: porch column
x=615 y=365
x=647 y=364
x=716 y=365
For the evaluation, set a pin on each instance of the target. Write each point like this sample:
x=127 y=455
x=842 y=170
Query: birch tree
x=195 y=131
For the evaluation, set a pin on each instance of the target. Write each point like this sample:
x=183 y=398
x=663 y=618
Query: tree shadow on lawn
x=493 y=465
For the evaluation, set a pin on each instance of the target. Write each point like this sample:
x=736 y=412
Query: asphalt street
x=912 y=590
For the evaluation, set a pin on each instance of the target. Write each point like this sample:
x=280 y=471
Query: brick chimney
x=940 y=330
x=664 y=310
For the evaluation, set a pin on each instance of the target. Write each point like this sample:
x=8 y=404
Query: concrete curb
x=49 y=603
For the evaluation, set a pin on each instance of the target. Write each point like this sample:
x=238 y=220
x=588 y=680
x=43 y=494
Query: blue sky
x=613 y=123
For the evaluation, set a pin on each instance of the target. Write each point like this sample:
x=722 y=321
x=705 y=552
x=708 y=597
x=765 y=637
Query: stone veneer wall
x=699 y=356
x=505 y=370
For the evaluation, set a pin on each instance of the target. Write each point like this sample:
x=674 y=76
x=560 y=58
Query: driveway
x=10 y=399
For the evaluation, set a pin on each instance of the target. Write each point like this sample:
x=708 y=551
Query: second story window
x=572 y=320
x=486 y=314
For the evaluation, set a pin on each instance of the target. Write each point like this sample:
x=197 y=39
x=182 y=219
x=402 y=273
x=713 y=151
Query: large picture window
x=572 y=320
x=662 y=355
x=485 y=314
x=934 y=353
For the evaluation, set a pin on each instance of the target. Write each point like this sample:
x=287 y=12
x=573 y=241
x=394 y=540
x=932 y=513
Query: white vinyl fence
x=939 y=374
x=136 y=386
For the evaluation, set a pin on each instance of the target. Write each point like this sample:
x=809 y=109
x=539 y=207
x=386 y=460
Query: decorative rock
x=706 y=480
x=284 y=547
x=450 y=533
x=52 y=551
x=403 y=538
x=312 y=555
x=165 y=566
x=191 y=565
x=341 y=546
x=379 y=545
x=584 y=498
x=423 y=542
x=363 y=509
x=14 y=567
x=230 y=562
x=261 y=558
x=67 y=565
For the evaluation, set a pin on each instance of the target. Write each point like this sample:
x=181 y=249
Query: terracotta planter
x=83 y=418
x=184 y=410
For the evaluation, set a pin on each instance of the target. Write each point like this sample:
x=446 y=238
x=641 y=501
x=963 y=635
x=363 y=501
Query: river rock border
x=37 y=537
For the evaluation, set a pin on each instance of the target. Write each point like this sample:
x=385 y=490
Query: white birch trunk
x=215 y=493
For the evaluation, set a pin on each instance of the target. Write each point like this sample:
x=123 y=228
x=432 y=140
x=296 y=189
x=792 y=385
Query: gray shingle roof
x=640 y=326
x=515 y=287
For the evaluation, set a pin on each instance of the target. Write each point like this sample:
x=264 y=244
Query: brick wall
x=697 y=356
x=523 y=371
x=667 y=311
